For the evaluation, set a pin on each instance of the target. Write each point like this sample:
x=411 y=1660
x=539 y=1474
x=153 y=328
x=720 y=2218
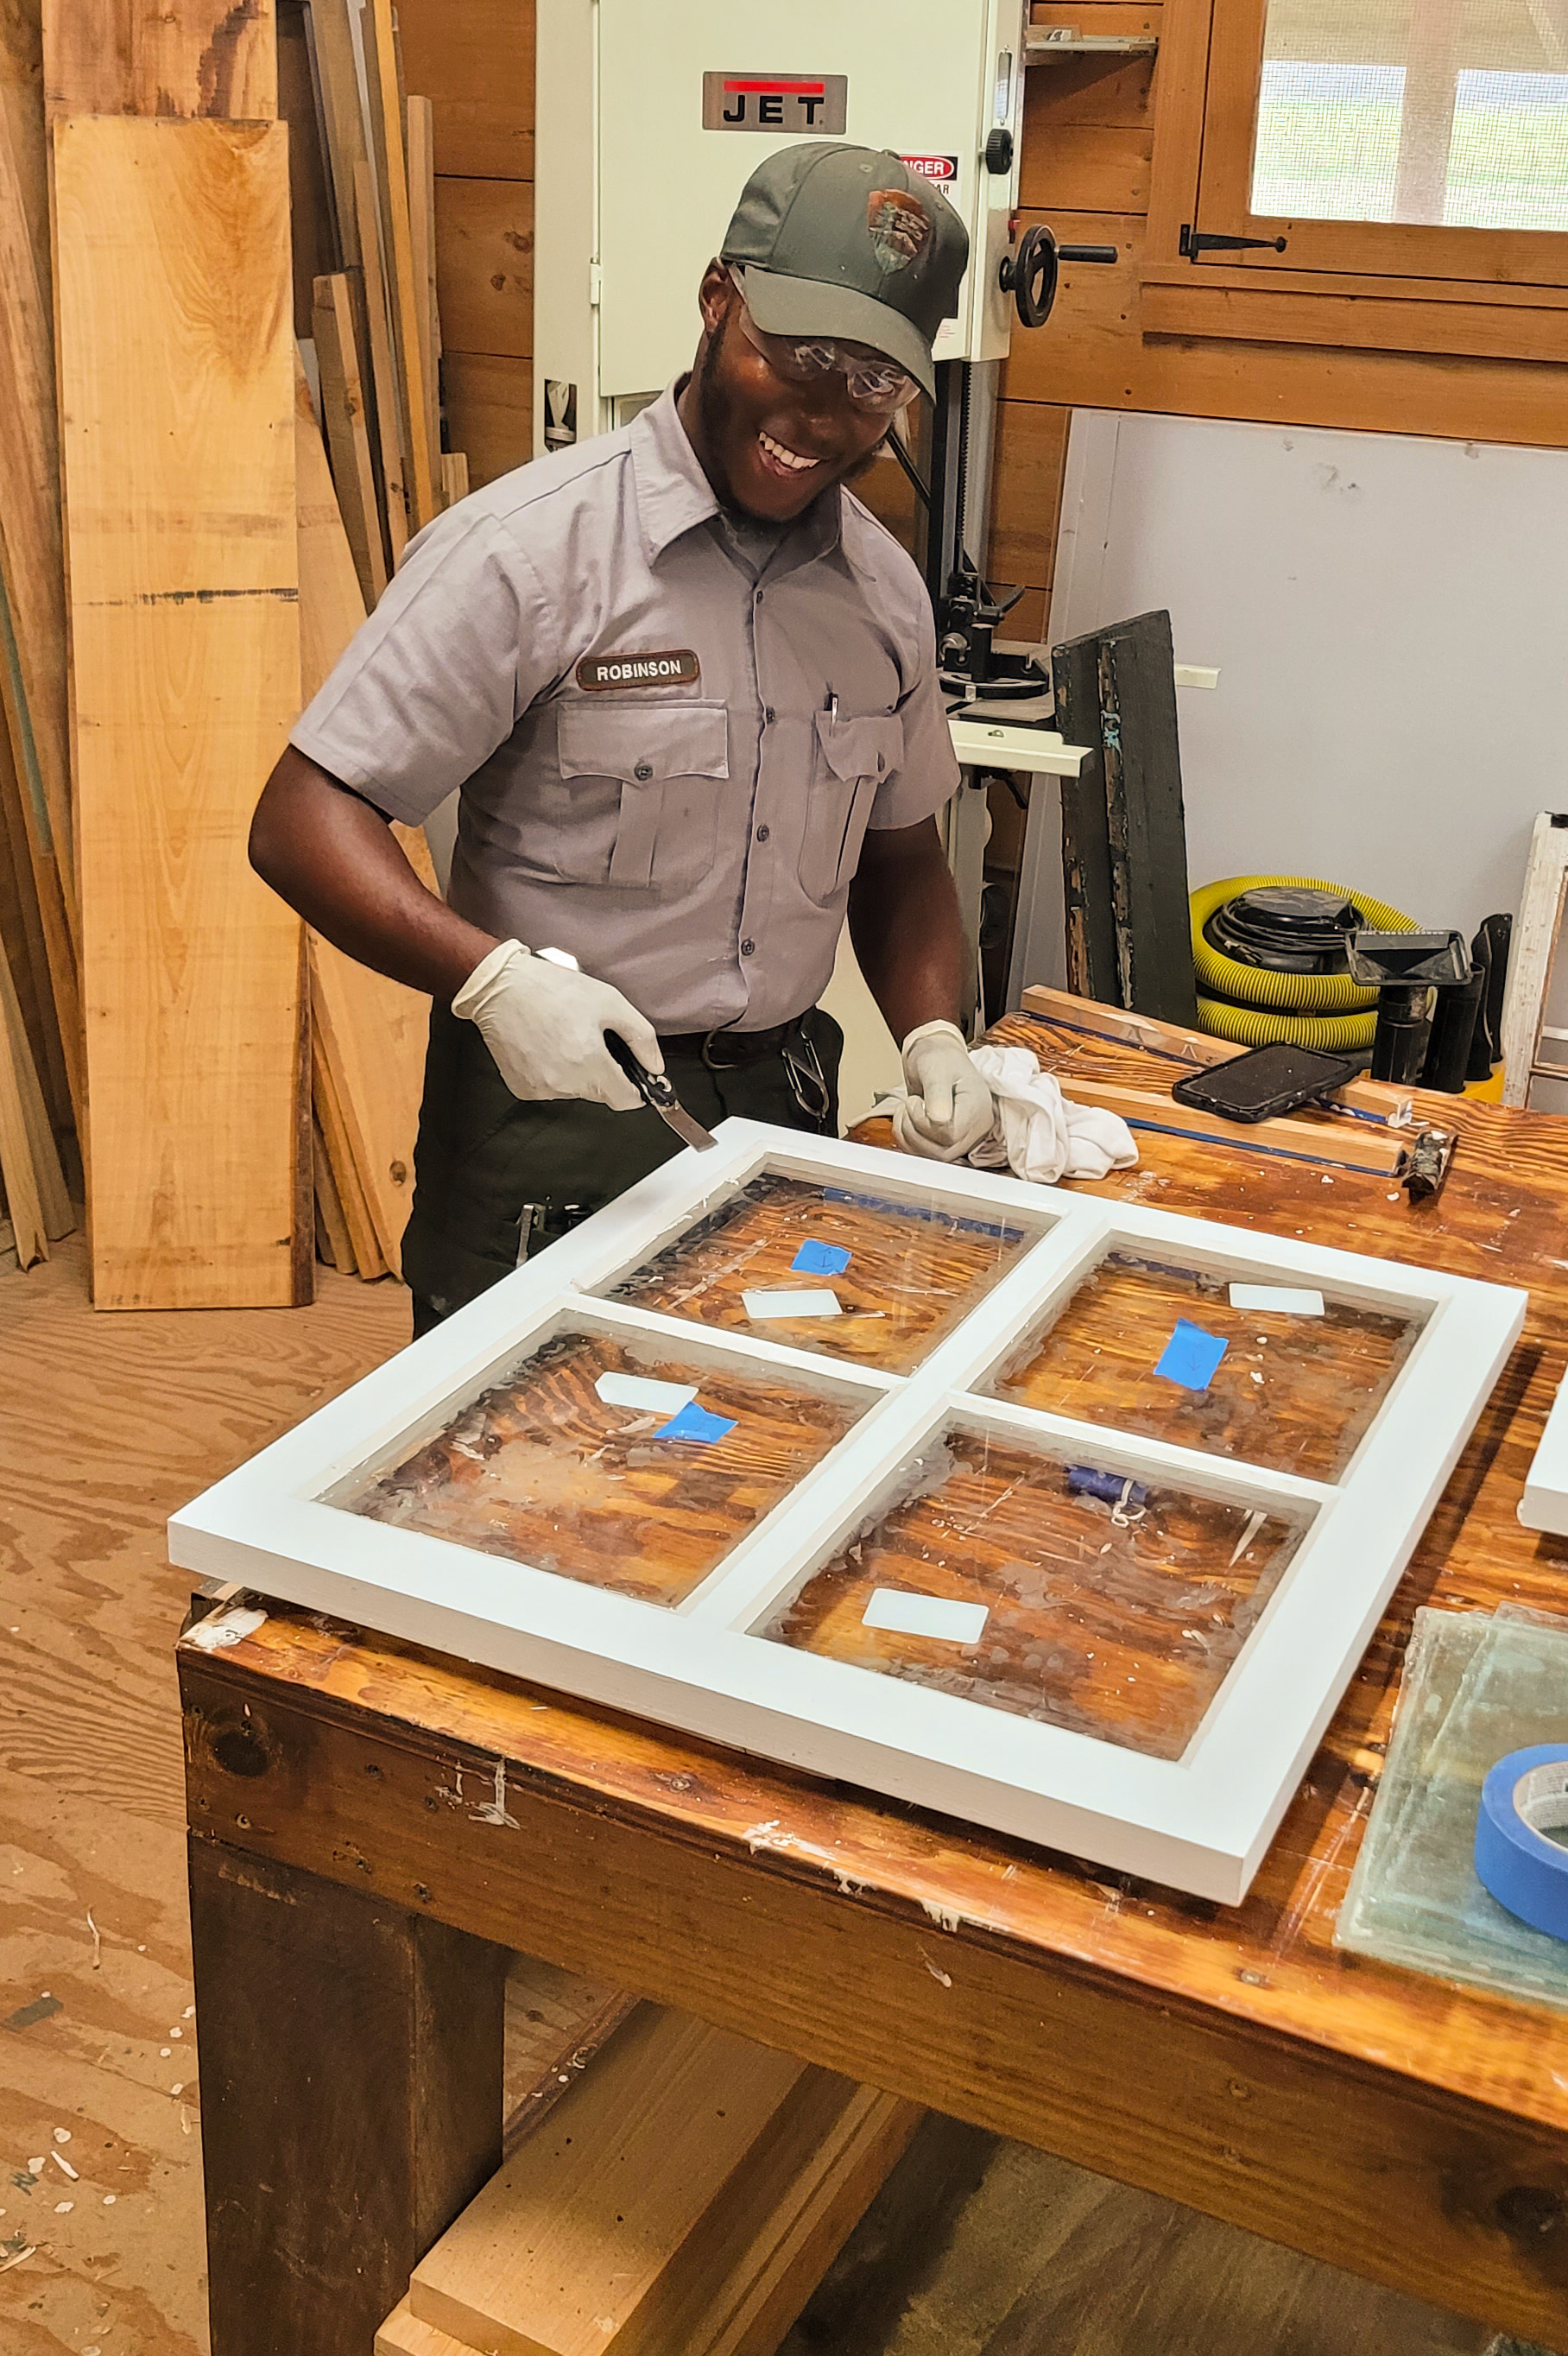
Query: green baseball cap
x=848 y=242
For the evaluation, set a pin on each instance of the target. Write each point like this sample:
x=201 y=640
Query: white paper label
x=926 y=1615
x=810 y=1301
x=1285 y=1298
x=641 y=1390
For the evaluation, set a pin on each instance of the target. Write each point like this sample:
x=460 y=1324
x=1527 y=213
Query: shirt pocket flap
x=643 y=741
x=861 y=748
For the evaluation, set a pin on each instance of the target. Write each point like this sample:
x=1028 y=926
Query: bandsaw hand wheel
x=1030 y=275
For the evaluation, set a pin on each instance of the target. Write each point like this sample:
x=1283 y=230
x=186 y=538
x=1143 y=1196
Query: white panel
x=1366 y=597
x=921 y=84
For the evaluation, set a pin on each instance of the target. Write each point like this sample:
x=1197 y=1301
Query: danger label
x=943 y=168
x=679 y=666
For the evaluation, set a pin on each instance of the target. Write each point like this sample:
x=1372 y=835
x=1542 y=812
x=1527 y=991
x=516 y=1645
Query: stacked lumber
x=684 y=2198
x=192 y=526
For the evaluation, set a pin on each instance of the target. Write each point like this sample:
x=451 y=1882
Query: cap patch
x=679 y=667
x=898 y=227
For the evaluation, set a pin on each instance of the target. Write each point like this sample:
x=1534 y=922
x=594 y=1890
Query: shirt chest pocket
x=637 y=804
x=852 y=758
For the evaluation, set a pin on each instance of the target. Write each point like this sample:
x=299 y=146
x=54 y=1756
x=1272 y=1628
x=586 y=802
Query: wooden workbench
x=373 y=1826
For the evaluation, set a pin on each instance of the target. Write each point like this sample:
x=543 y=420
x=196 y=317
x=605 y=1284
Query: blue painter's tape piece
x=1111 y=1488
x=694 y=1422
x=821 y=1260
x=1524 y=1870
x=1190 y=1356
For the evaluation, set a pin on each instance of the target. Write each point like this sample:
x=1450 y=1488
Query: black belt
x=721 y=1049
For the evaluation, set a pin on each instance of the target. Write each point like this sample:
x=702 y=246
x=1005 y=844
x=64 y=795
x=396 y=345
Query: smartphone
x=1265 y=1082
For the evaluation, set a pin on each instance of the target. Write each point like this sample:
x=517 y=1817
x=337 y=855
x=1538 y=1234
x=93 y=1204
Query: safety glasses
x=871 y=383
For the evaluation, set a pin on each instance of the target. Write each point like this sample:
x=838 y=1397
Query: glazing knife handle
x=655 y=1087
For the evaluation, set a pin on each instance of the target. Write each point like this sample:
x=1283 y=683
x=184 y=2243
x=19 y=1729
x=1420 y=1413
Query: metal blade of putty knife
x=655 y=1088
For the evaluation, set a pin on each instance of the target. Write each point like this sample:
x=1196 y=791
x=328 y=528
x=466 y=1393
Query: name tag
x=679 y=667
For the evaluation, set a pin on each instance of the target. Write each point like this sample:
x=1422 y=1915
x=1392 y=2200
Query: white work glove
x=545 y=1023
x=948 y=1107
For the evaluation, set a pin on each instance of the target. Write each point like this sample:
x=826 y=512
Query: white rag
x=1037 y=1133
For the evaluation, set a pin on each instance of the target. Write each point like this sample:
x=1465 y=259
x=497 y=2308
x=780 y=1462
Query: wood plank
x=177 y=416
x=415 y=2135
x=368 y=1261
x=22 y=929
x=484 y=264
x=33 y=664
x=54 y=1202
x=1262 y=312
x=377 y=25
x=119 y=57
x=489 y=412
x=342 y=409
x=453 y=476
x=370 y=1032
x=1194 y=1048
x=421 y=218
x=1026 y=504
x=331 y=1225
x=1353 y=1145
x=476 y=66
x=1096 y=356
x=18 y=1178
x=373 y=1035
x=1110 y=92
x=383 y=367
x=343 y=116
x=312 y=218
x=615 y=2225
x=1088 y=167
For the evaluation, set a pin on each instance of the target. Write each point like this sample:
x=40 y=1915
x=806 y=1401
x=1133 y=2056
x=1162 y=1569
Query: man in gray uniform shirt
x=687 y=687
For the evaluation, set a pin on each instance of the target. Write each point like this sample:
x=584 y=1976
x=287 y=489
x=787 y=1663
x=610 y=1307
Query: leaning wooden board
x=370 y=1033
x=177 y=446
x=1233 y=2060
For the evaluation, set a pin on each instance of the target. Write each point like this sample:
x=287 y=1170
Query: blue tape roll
x=1525 y=1872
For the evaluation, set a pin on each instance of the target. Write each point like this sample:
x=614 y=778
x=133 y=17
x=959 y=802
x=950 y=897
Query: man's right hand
x=545 y=1023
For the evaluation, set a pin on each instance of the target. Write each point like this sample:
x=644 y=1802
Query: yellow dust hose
x=1254 y=1004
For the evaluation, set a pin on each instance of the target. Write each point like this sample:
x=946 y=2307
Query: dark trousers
x=496 y=1179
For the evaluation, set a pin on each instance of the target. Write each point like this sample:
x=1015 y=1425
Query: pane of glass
x=902 y=1271
x=1293 y=1392
x=1414 y=111
x=1116 y=1618
x=1473 y=1690
x=542 y=1470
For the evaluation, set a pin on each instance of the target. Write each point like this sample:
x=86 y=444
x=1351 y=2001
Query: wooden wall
x=475 y=61
x=1093 y=137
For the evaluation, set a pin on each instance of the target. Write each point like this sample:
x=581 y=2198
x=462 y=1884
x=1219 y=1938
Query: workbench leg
x=350 y=2098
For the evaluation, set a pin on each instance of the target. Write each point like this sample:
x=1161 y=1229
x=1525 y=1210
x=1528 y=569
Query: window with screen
x=1421 y=138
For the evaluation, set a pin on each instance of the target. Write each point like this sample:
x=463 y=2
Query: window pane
x=1422 y=111
x=1120 y=1619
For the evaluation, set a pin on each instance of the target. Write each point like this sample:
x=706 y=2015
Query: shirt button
x=759 y=598
x=763 y=832
x=770 y=715
x=748 y=948
x=643 y=771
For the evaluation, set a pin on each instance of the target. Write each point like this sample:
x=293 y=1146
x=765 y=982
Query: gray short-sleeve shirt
x=666 y=765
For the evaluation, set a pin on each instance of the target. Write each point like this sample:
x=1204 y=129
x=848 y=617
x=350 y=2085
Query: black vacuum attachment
x=1439 y=1006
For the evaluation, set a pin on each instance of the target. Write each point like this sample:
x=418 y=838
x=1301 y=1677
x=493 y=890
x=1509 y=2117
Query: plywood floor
x=107 y=1422
x=975 y=2248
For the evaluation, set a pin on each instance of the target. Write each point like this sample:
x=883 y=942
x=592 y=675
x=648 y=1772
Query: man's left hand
x=949 y=1106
